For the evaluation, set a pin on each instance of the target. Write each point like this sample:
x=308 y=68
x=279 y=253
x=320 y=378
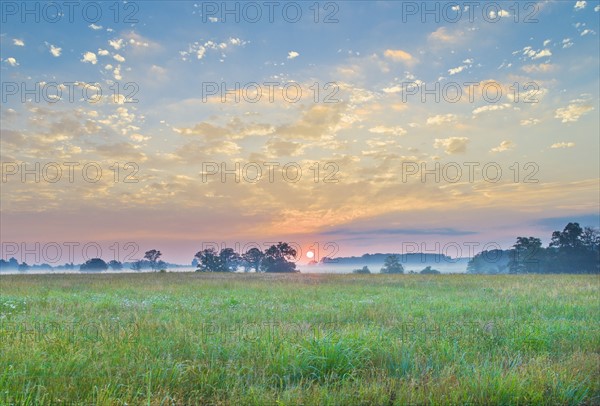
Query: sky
x=344 y=127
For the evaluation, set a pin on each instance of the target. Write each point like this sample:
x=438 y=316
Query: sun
x=310 y=254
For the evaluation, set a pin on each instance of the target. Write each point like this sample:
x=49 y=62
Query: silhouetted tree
x=225 y=261
x=489 y=262
x=365 y=270
x=575 y=250
x=252 y=258
x=278 y=259
x=136 y=265
x=526 y=256
x=94 y=265
x=152 y=256
x=428 y=271
x=115 y=265
x=392 y=265
x=230 y=259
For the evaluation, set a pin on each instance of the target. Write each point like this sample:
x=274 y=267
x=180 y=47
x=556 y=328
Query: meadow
x=198 y=338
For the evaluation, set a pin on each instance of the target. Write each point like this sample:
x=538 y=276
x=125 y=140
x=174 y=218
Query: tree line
x=573 y=250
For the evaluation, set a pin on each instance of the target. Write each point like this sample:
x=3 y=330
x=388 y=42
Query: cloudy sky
x=470 y=123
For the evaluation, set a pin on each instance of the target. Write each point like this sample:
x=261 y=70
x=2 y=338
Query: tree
x=489 y=262
x=23 y=267
x=136 y=266
x=365 y=270
x=392 y=265
x=278 y=259
x=225 y=261
x=152 y=256
x=230 y=260
x=208 y=260
x=575 y=250
x=526 y=256
x=428 y=271
x=94 y=265
x=115 y=265
x=252 y=258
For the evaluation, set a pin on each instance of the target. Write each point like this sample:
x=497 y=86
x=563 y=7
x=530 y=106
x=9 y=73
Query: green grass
x=161 y=339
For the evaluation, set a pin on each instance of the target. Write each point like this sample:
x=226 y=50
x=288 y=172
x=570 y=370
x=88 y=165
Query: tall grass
x=163 y=339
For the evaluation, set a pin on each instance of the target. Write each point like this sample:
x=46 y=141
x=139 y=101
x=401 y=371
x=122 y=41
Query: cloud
x=277 y=147
x=529 y=122
x=504 y=146
x=400 y=231
x=529 y=52
x=452 y=145
x=442 y=119
x=292 y=55
x=493 y=107
x=562 y=145
x=117 y=73
x=541 y=68
x=116 y=43
x=200 y=48
x=18 y=42
x=399 y=55
x=541 y=54
x=95 y=27
x=587 y=31
x=55 y=51
x=502 y=13
x=567 y=43
x=442 y=34
x=573 y=111
x=89 y=57
x=387 y=130
x=118 y=58
x=102 y=52
x=580 y=5
x=139 y=137
x=456 y=70
x=11 y=61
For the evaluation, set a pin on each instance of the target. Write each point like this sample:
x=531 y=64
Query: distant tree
x=137 y=265
x=152 y=256
x=230 y=259
x=392 y=265
x=208 y=261
x=575 y=250
x=252 y=259
x=23 y=267
x=225 y=261
x=278 y=259
x=94 y=265
x=526 y=256
x=195 y=262
x=115 y=265
x=428 y=271
x=11 y=264
x=365 y=270
x=489 y=262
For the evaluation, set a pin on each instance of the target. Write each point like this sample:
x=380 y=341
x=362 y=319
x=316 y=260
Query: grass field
x=180 y=338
